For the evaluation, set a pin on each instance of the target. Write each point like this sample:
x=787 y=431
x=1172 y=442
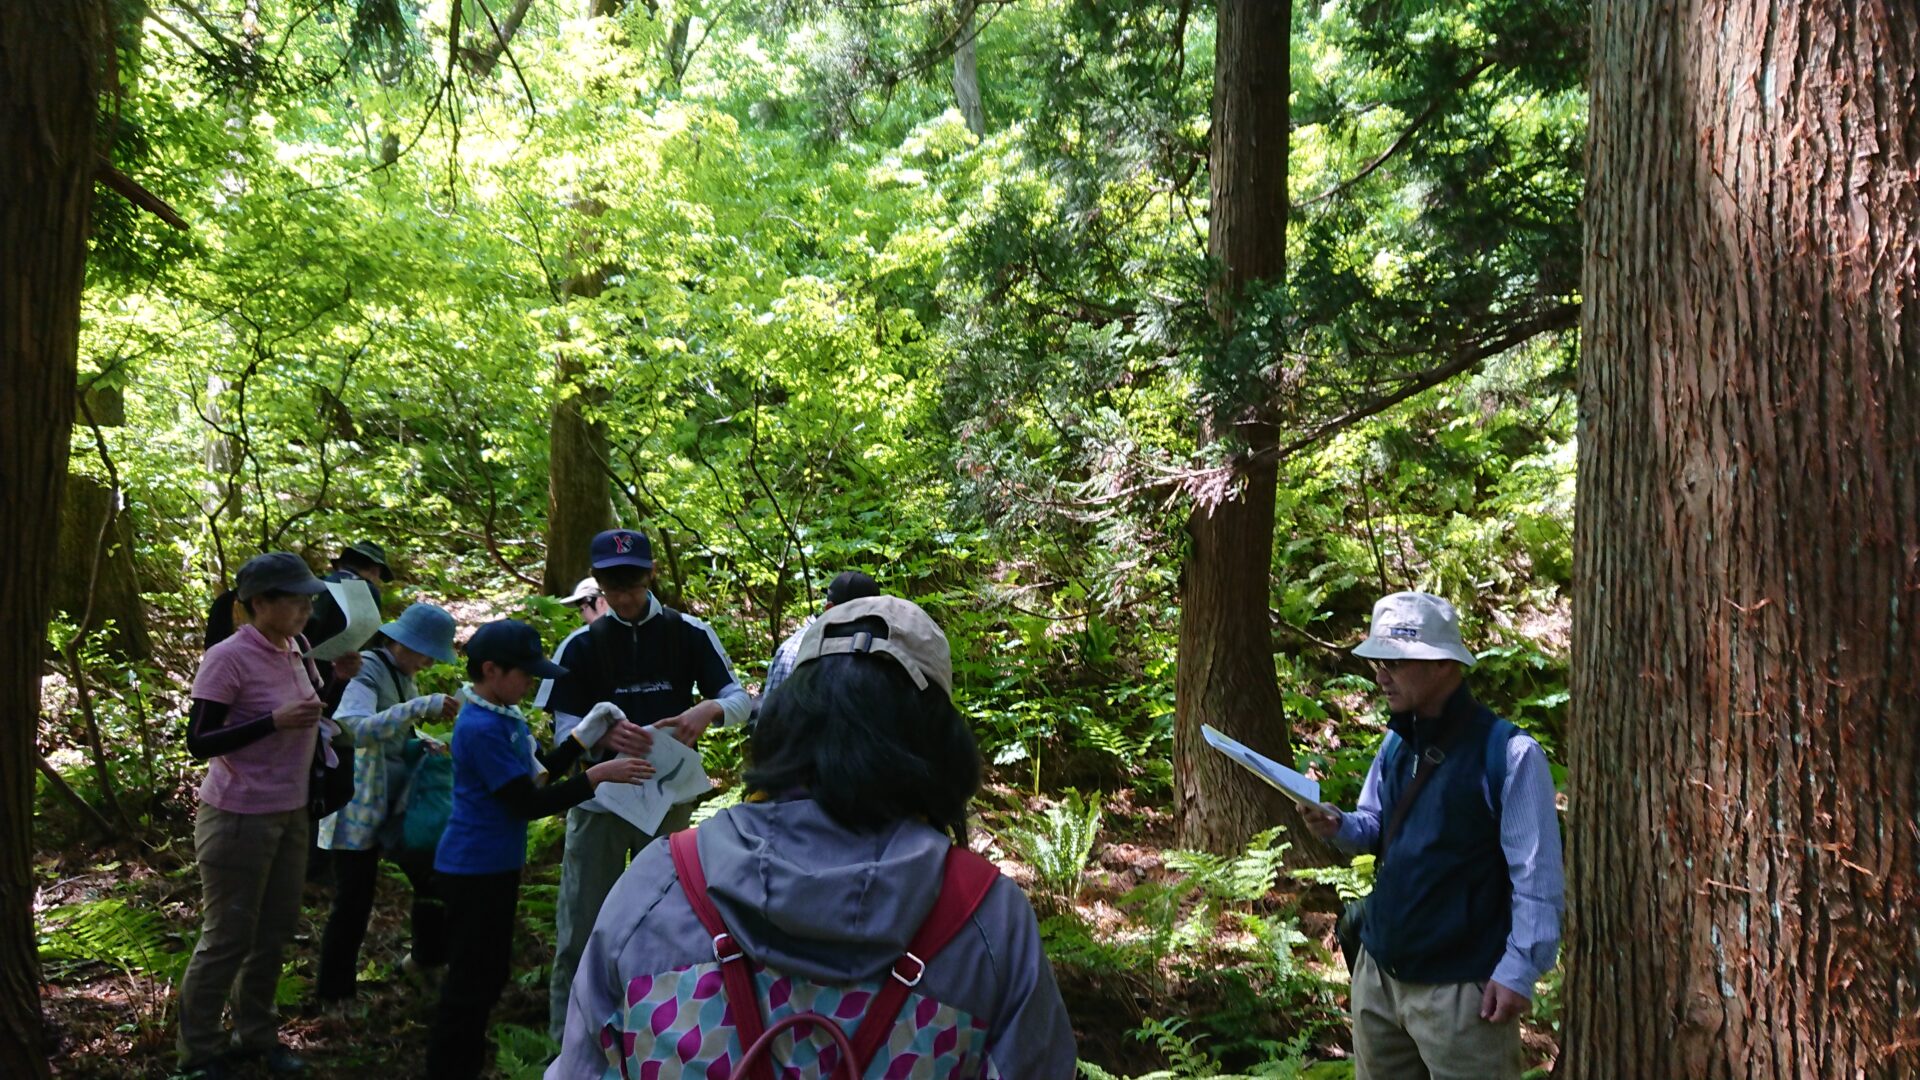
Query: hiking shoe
x=284 y=1062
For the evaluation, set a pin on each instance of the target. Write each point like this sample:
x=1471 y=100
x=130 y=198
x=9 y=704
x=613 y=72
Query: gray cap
x=277 y=571
x=1414 y=626
x=913 y=640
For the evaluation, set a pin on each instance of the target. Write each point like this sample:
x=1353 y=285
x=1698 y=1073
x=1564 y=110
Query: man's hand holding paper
x=679 y=776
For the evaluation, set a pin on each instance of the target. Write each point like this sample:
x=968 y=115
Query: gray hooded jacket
x=827 y=911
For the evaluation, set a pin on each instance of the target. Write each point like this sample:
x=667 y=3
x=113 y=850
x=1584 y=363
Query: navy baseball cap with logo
x=622 y=547
x=513 y=644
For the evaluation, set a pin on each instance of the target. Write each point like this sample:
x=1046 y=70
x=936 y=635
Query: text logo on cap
x=622 y=543
x=1404 y=633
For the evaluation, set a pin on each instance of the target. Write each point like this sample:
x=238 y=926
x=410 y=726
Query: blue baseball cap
x=513 y=644
x=622 y=547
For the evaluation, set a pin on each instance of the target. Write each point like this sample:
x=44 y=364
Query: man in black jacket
x=648 y=660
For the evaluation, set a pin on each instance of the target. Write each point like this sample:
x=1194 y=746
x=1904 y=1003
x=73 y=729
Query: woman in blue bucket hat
x=381 y=707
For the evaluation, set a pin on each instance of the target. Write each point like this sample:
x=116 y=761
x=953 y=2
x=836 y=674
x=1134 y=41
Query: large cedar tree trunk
x=1745 y=729
x=1225 y=676
x=50 y=78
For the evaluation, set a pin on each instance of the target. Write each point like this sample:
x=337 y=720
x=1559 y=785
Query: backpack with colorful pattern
x=730 y=1019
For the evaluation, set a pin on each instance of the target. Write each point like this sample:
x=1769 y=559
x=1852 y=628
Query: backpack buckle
x=919 y=971
x=725 y=948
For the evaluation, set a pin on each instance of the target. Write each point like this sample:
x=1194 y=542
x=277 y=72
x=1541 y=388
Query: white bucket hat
x=1414 y=626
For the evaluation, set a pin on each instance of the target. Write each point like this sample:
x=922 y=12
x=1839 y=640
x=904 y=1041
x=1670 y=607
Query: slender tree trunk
x=579 y=497
x=966 y=72
x=1226 y=677
x=578 y=502
x=51 y=72
x=1746 y=673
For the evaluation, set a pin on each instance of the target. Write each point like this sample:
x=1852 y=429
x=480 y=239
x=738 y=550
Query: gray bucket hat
x=424 y=628
x=1414 y=626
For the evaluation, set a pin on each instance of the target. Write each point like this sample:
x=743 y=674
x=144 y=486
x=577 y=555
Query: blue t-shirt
x=490 y=750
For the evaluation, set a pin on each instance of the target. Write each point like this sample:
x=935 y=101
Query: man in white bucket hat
x=1464 y=917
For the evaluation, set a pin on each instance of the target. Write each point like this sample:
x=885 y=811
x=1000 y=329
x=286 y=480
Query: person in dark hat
x=500 y=782
x=847 y=585
x=363 y=560
x=645 y=661
x=257 y=719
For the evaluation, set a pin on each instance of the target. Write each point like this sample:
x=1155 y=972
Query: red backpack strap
x=965 y=883
x=735 y=977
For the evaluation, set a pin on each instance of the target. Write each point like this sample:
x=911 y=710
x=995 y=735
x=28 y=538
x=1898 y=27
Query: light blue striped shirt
x=783 y=657
x=1530 y=837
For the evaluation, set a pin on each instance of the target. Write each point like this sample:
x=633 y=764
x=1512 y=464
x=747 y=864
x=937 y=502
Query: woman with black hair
x=827 y=887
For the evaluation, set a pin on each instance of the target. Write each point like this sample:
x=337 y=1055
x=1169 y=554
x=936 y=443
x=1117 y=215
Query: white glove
x=594 y=726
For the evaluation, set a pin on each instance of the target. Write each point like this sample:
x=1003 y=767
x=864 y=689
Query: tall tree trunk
x=1746 y=673
x=579 y=497
x=578 y=502
x=966 y=71
x=51 y=72
x=1225 y=676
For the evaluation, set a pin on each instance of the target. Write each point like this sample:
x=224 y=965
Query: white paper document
x=363 y=620
x=1291 y=784
x=678 y=776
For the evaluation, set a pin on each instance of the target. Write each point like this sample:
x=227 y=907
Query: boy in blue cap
x=640 y=663
x=498 y=786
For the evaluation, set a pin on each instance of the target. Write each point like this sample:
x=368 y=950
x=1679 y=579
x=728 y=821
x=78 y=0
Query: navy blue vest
x=1442 y=902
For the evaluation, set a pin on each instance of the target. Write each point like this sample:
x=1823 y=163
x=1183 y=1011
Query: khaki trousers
x=598 y=847
x=1424 y=1031
x=252 y=868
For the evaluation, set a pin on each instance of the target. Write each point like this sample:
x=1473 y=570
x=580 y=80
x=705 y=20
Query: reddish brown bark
x=1225 y=676
x=1745 y=730
x=51 y=54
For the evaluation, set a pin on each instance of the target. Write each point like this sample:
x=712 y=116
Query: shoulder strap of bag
x=1431 y=760
x=966 y=880
x=748 y=1018
x=1497 y=738
x=393 y=673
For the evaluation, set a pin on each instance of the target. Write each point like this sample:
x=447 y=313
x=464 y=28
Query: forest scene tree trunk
x=50 y=81
x=966 y=70
x=578 y=502
x=1226 y=676
x=1745 y=728
x=579 y=499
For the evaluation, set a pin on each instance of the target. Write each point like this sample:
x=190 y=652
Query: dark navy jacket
x=1442 y=901
x=649 y=669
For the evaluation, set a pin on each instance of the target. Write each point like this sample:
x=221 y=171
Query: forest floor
x=112 y=1013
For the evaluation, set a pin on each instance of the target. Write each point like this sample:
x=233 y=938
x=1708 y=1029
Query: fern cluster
x=1058 y=842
